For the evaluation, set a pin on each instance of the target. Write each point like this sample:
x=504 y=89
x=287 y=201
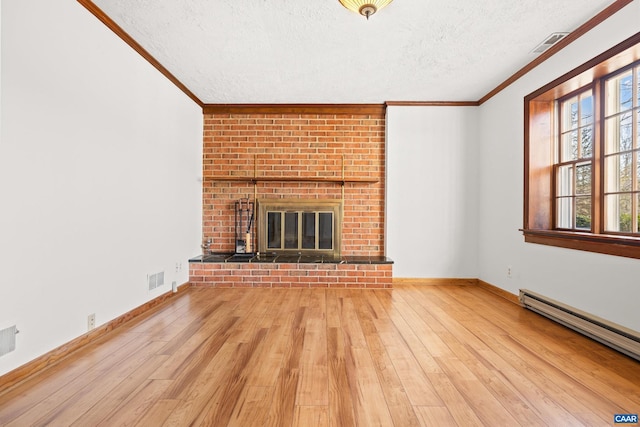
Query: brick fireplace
x=290 y=155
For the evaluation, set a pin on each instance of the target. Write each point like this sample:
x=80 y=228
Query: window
x=582 y=156
x=622 y=152
x=573 y=169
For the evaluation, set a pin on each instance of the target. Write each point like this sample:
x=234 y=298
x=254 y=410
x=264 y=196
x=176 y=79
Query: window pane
x=637 y=171
x=586 y=142
x=569 y=120
x=618 y=133
x=638 y=88
x=569 y=146
x=564 y=210
x=618 y=212
x=291 y=230
x=583 y=179
x=274 y=230
x=619 y=93
x=565 y=181
x=638 y=125
x=325 y=226
x=637 y=202
x=586 y=109
x=626 y=92
x=583 y=212
x=626 y=131
x=308 y=230
x=618 y=173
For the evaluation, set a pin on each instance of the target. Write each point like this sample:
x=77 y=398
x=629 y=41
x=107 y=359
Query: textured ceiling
x=316 y=51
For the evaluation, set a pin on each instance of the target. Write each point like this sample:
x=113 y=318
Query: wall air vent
x=8 y=340
x=552 y=39
x=155 y=280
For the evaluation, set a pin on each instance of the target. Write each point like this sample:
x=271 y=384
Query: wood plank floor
x=411 y=356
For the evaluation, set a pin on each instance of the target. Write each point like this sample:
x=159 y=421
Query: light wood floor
x=411 y=356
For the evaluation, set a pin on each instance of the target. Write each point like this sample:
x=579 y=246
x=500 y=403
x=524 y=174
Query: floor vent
x=8 y=340
x=156 y=280
x=552 y=39
x=608 y=333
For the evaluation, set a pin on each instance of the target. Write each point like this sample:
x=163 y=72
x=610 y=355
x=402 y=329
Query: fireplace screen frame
x=299 y=206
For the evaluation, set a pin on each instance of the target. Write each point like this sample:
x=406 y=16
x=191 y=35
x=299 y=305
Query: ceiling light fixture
x=365 y=8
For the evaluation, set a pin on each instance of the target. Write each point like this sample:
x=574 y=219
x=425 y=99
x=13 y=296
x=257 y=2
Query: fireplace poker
x=250 y=222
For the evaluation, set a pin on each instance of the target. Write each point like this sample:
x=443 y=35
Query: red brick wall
x=286 y=275
x=296 y=145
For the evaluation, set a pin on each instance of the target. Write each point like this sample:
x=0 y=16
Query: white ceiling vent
x=552 y=39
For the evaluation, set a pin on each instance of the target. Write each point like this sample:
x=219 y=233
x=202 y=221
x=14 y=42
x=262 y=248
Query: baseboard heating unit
x=608 y=333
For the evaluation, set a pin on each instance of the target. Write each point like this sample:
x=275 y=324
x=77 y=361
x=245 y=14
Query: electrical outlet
x=509 y=272
x=91 y=321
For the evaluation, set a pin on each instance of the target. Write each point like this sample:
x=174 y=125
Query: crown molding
x=432 y=103
x=337 y=109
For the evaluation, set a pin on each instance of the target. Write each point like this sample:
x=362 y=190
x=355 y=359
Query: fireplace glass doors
x=299 y=226
x=299 y=230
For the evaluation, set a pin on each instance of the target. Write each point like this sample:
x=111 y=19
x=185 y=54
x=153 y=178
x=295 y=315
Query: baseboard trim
x=20 y=374
x=433 y=281
x=499 y=292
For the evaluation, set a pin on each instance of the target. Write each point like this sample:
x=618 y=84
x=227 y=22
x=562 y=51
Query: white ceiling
x=316 y=51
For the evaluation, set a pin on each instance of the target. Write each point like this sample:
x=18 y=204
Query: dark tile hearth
x=293 y=258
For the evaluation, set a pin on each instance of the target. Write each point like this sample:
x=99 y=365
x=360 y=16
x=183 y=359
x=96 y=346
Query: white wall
x=99 y=163
x=431 y=216
x=604 y=285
